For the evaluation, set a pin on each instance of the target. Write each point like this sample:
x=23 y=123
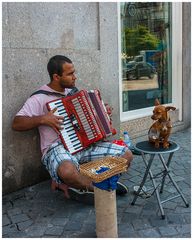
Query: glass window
x=145 y=54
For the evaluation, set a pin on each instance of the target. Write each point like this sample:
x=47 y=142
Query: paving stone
x=180 y=172
x=60 y=221
x=55 y=231
x=139 y=224
x=88 y=227
x=186 y=235
x=168 y=231
x=175 y=219
x=14 y=211
x=5 y=220
x=127 y=227
x=149 y=233
x=125 y=231
x=35 y=231
x=19 y=218
x=183 y=229
x=133 y=209
x=187 y=218
x=70 y=234
x=180 y=209
x=86 y=235
x=171 y=190
x=9 y=229
x=18 y=234
x=78 y=216
x=149 y=213
x=178 y=178
x=6 y=205
x=49 y=236
x=73 y=226
x=157 y=221
x=170 y=205
x=128 y=217
x=23 y=225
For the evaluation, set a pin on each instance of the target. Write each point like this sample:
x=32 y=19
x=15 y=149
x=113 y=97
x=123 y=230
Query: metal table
x=145 y=147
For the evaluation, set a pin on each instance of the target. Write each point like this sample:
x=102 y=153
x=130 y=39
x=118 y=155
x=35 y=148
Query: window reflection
x=146 y=64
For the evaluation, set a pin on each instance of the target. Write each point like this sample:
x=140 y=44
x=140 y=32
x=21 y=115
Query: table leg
x=148 y=165
x=148 y=171
x=164 y=177
x=172 y=180
x=156 y=190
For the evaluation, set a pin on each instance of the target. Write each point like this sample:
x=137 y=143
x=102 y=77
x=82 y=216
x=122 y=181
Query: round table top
x=147 y=147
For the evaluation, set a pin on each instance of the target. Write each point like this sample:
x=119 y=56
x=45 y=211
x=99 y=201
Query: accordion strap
x=74 y=90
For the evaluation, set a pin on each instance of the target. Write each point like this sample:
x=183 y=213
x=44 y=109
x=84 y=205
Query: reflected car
x=140 y=69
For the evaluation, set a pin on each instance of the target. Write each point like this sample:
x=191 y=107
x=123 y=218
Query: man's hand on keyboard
x=52 y=120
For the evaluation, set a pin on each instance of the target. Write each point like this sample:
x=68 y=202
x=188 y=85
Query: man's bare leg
x=68 y=172
x=129 y=156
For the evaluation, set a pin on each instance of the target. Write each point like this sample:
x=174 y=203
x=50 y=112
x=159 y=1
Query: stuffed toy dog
x=160 y=131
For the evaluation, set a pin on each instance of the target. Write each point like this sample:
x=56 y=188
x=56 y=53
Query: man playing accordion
x=63 y=166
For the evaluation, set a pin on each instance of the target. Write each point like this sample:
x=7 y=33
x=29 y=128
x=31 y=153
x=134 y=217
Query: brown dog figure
x=160 y=131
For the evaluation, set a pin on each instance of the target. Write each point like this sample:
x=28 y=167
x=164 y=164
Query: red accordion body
x=85 y=119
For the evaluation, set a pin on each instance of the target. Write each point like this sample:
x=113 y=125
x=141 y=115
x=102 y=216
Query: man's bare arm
x=23 y=123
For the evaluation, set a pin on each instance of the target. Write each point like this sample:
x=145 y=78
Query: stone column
x=106 y=213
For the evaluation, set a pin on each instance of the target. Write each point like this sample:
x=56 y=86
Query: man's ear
x=55 y=77
x=170 y=108
x=157 y=102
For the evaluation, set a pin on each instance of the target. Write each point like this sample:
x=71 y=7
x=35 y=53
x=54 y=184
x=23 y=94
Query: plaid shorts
x=56 y=154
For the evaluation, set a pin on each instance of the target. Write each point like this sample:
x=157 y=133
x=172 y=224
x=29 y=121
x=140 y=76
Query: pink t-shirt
x=36 y=106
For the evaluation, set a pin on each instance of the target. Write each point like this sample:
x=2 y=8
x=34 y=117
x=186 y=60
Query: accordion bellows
x=114 y=164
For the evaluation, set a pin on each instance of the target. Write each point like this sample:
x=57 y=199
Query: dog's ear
x=170 y=108
x=157 y=102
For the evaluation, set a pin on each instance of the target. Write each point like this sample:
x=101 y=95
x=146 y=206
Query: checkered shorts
x=57 y=154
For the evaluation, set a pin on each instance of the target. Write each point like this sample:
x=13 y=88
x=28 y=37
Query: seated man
x=61 y=165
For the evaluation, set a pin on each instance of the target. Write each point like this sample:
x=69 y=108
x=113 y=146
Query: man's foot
x=83 y=196
x=60 y=186
x=87 y=197
x=121 y=189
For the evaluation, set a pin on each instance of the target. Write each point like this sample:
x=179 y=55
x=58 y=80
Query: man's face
x=67 y=79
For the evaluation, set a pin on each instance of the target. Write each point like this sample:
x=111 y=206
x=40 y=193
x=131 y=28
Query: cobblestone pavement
x=36 y=211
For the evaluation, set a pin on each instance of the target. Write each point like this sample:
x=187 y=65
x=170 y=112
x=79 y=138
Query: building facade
x=93 y=35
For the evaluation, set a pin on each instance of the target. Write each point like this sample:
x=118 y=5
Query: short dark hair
x=55 y=65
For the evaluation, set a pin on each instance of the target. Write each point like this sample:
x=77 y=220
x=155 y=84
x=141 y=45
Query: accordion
x=86 y=120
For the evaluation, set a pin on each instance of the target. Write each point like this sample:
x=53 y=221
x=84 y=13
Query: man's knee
x=129 y=156
x=66 y=170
